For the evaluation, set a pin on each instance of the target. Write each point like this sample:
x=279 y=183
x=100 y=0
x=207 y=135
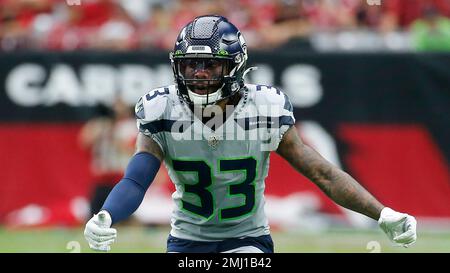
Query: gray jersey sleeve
x=287 y=118
x=150 y=116
x=273 y=103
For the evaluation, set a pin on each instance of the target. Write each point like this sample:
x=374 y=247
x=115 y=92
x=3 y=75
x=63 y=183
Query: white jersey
x=218 y=171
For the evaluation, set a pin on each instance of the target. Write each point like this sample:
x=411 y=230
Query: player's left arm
x=345 y=190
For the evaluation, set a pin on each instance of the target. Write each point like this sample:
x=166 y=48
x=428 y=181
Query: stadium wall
x=384 y=118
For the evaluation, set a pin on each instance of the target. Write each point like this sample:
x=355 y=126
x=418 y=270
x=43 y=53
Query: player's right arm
x=128 y=193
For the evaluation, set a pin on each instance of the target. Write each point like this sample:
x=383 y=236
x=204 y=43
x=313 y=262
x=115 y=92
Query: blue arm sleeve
x=128 y=194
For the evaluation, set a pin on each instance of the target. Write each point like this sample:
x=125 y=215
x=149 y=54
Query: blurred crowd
x=154 y=24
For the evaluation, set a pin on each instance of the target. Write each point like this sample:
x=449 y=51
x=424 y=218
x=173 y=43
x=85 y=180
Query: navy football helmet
x=209 y=60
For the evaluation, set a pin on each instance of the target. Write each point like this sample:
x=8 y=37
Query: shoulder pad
x=267 y=95
x=269 y=98
x=152 y=105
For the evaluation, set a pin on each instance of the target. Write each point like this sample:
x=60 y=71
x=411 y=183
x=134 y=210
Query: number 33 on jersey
x=219 y=171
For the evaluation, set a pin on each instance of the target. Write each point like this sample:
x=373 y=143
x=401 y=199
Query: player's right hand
x=98 y=232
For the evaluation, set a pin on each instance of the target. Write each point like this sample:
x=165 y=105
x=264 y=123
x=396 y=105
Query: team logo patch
x=213 y=141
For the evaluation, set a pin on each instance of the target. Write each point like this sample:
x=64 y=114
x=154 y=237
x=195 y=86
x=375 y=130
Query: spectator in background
x=252 y=17
x=431 y=32
x=81 y=25
x=401 y=13
x=289 y=22
x=16 y=20
x=110 y=137
x=118 y=32
x=368 y=17
x=157 y=31
x=96 y=24
x=330 y=15
x=128 y=25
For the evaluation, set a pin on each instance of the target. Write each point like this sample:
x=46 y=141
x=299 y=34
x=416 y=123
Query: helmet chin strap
x=198 y=99
x=250 y=69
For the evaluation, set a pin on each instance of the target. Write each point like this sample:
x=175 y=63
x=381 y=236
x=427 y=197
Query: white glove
x=98 y=232
x=399 y=227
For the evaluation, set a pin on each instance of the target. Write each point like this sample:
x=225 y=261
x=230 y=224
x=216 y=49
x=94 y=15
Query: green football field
x=153 y=239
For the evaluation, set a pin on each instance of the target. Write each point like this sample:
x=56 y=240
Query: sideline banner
x=384 y=118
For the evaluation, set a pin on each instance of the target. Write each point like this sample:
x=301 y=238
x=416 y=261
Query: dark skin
x=221 y=115
x=146 y=144
x=335 y=183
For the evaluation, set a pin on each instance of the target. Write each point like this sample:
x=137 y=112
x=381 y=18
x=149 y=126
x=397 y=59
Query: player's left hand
x=399 y=227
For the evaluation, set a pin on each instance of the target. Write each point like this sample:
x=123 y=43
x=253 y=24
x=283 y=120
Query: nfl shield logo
x=213 y=141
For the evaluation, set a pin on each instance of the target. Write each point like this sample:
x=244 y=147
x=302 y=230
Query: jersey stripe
x=248 y=123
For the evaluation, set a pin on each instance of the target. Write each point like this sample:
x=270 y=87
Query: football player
x=215 y=134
